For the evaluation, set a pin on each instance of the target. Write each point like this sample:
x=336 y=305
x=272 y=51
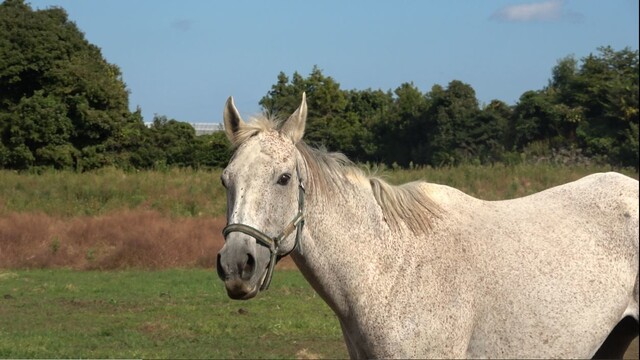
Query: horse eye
x=222 y=181
x=284 y=179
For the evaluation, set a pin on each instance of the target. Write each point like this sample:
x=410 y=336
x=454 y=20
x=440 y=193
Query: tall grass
x=191 y=193
x=175 y=192
x=498 y=182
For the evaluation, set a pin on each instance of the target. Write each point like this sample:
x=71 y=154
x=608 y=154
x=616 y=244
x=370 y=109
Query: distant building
x=207 y=128
x=201 y=128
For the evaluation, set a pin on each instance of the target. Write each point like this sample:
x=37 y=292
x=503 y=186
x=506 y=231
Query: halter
x=273 y=243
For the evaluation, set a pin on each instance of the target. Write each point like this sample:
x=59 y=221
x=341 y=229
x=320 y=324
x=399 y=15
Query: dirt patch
x=126 y=239
x=154 y=329
x=306 y=354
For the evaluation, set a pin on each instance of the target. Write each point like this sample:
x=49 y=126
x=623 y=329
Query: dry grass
x=141 y=239
x=128 y=239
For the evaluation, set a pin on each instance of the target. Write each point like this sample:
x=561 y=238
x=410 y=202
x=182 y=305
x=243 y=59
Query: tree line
x=588 y=110
x=62 y=105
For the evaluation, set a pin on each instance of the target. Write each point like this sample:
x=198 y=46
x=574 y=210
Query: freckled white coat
x=426 y=271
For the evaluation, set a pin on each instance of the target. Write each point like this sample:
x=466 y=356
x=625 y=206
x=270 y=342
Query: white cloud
x=549 y=10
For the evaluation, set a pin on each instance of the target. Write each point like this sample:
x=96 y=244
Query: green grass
x=175 y=192
x=190 y=193
x=164 y=314
x=499 y=182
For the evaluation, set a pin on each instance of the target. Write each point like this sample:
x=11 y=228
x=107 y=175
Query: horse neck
x=342 y=234
x=352 y=210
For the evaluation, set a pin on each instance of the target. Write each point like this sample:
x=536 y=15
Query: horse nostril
x=249 y=267
x=221 y=274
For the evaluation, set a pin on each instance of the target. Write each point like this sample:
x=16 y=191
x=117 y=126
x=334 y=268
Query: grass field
x=160 y=314
x=130 y=223
x=173 y=314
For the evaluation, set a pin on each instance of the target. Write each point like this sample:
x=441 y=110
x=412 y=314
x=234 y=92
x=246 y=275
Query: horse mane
x=406 y=203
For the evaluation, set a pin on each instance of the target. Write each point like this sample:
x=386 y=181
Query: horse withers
x=423 y=270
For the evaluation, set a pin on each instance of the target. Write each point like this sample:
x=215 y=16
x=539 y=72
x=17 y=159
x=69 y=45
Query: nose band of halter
x=273 y=243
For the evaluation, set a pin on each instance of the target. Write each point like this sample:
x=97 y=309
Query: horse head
x=265 y=195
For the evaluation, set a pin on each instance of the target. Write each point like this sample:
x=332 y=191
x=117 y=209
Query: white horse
x=423 y=270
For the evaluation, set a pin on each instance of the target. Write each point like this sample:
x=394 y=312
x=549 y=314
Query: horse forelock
x=255 y=125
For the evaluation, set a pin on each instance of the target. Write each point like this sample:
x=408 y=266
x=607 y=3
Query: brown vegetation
x=125 y=239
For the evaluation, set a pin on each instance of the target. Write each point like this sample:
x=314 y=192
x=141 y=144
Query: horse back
x=547 y=266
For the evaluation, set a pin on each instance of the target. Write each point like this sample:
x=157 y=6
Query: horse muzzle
x=241 y=270
x=240 y=290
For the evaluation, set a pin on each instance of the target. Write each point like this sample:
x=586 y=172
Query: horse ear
x=232 y=120
x=294 y=126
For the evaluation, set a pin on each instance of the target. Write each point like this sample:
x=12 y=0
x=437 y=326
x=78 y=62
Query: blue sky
x=184 y=58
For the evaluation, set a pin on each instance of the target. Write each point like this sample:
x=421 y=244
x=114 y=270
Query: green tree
x=594 y=104
x=490 y=131
x=40 y=133
x=329 y=123
x=450 y=122
x=45 y=59
x=284 y=97
x=368 y=109
x=532 y=119
x=212 y=151
x=607 y=85
x=561 y=93
x=175 y=139
x=400 y=133
x=134 y=144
